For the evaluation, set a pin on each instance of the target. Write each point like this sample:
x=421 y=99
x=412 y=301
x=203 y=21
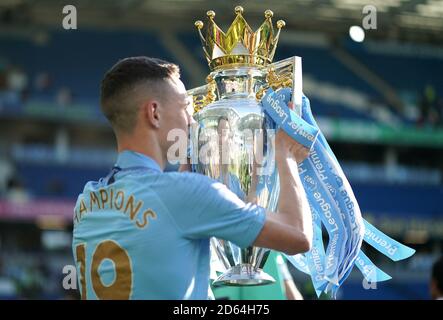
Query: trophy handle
x=203 y=95
x=286 y=73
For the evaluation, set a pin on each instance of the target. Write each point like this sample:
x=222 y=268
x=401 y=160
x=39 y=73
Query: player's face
x=177 y=109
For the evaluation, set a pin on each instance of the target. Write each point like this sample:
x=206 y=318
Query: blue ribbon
x=293 y=125
x=341 y=179
x=316 y=256
x=370 y=270
x=403 y=251
x=318 y=196
x=322 y=202
x=376 y=238
x=386 y=245
x=332 y=203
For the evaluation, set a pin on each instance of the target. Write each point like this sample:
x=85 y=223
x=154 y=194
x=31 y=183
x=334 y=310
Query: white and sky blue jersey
x=141 y=233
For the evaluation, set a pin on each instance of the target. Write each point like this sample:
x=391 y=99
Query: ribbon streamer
x=332 y=203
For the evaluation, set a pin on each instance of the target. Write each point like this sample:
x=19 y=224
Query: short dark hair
x=124 y=76
x=437 y=273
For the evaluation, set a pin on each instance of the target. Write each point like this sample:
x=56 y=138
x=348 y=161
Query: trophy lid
x=239 y=46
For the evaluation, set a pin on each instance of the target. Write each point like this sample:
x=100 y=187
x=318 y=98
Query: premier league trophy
x=233 y=142
x=245 y=100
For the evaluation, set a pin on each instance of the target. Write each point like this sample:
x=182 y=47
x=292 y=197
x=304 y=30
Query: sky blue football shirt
x=144 y=234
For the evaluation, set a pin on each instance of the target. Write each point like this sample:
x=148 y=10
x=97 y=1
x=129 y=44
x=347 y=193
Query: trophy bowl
x=235 y=143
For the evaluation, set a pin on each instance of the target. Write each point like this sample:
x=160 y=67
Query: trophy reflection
x=235 y=138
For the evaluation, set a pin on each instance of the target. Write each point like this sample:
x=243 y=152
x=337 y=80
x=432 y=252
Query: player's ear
x=150 y=111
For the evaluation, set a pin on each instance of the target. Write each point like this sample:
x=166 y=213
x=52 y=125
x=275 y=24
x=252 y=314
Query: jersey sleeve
x=206 y=208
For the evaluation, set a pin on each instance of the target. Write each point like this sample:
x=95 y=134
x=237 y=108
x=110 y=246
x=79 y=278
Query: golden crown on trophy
x=240 y=46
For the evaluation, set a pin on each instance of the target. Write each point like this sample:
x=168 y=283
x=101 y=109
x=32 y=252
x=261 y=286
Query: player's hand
x=287 y=147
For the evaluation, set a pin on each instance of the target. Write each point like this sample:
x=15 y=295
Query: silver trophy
x=234 y=140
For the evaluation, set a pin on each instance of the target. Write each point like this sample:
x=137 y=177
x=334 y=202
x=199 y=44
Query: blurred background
x=378 y=97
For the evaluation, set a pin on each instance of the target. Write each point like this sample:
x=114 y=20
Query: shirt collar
x=129 y=158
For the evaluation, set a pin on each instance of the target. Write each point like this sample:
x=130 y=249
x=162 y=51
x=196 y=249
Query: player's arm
x=289 y=230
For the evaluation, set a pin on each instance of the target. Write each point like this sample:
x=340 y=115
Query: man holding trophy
x=140 y=233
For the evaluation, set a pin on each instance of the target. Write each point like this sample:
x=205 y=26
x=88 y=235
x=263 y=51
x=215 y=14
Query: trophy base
x=244 y=275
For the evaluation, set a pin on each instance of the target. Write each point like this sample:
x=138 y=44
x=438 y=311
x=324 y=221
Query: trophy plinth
x=244 y=275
